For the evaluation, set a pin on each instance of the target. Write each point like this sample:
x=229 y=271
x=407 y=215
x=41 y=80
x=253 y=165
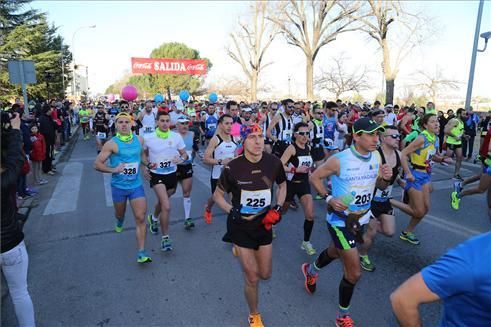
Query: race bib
x=360 y=201
x=101 y=135
x=130 y=171
x=385 y=194
x=254 y=201
x=212 y=126
x=148 y=129
x=305 y=161
x=164 y=166
x=287 y=136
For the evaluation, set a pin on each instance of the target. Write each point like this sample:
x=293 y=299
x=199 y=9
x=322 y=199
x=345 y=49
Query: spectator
x=47 y=129
x=470 y=131
x=38 y=154
x=22 y=190
x=442 y=121
x=14 y=259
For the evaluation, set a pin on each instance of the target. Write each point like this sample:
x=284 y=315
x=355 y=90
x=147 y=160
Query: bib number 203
x=363 y=199
x=256 y=203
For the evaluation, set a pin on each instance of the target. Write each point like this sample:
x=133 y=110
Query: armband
x=328 y=198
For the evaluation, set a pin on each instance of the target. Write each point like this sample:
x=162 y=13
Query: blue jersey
x=462 y=279
x=354 y=185
x=211 y=123
x=188 y=142
x=113 y=111
x=329 y=127
x=130 y=155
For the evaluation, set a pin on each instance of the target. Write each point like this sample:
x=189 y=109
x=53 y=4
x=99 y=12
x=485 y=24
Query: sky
x=126 y=29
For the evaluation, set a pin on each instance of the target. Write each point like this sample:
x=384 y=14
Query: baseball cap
x=366 y=125
x=182 y=119
x=389 y=106
x=247 y=109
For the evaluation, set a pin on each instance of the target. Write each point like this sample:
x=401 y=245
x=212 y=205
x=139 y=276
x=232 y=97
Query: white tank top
x=224 y=150
x=148 y=122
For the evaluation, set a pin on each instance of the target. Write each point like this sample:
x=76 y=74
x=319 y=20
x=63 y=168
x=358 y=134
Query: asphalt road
x=82 y=273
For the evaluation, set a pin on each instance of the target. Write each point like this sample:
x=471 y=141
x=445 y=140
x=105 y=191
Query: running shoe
x=24 y=197
x=293 y=205
x=307 y=246
x=207 y=215
x=409 y=237
x=345 y=321
x=458 y=177
x=51 y=173
x=366 y=264
x=42 y=182
x=255 y=320
x=153 y=225
x=188 y=224
x=310 y=280
x=118 y=226
x=143 y=257
x=166 y=244
x=319 y=197
x=455 y=201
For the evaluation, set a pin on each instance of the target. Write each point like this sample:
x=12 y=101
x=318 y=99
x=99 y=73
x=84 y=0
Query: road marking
x=450 y=226
x=107 y=189
x=65 y=195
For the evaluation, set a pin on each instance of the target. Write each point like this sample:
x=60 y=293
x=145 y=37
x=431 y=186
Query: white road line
x=107 y=189
x=450 y=226
x=65 y=195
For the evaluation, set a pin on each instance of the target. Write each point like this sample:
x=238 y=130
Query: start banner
x=168 y=66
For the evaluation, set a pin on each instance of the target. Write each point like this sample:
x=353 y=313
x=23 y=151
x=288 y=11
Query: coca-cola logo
x=142 y=65
x=195 y=67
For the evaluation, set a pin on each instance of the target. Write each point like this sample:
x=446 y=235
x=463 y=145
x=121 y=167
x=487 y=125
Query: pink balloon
x=235 y=129
x=129 y=93
x=110 y=97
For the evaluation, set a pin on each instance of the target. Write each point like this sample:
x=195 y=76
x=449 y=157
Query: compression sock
x=308 y=225
x=345 y=292
x=187 y=207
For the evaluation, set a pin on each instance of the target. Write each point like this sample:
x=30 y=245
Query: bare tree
x=338 y=80
x=434 y=84
x=250 y=42
x=310 y=25
x=408 y=31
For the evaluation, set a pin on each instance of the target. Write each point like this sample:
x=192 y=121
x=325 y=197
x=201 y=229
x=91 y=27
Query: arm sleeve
x=14 y=159
x=451 y=274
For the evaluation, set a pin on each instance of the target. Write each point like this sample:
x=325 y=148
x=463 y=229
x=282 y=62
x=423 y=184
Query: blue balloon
x=213 y=97
x=158 y=98
x=184 y=95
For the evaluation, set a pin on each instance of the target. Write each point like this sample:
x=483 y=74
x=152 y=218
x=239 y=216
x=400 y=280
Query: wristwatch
x=219 y=161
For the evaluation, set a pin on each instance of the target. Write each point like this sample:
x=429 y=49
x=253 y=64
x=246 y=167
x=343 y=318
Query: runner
x=164 y=149
x=147 y=118
x=298 y=162
x=422 y=151
x=249 y=178
x=185 y=169
x=211 y=120
x=267 y=115
x=354 y=172
x=112 y=111
x=101 y=127
x=283 y=124
x=124 y=152
x=455 y=131
x=84 y=116
x=220 y=151
x=381 y=208
x=317 y=136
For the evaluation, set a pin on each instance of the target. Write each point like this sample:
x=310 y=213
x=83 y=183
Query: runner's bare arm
x=328 y=168
x=100 y=162
x=208 y=156
x=289 y=152
x=219 y=198
x=406 y=299
x=273 y=123
x=281 y=194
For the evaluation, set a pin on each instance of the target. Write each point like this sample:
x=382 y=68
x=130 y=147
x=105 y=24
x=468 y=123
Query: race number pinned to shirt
x=101 y=135
x=287 y=135
x=130 y=171
x=305 y=161
x=383 y=195
x=148 y=129
x=164 y=166
x=361 y=200
x=254 y=201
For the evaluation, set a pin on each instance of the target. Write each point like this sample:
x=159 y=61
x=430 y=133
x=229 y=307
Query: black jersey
x=251 y=183
x=300 y=158
x=99 y=122
x=383 y=195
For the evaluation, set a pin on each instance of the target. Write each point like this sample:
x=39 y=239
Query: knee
x=251 y=278
x=186 y=194
x=419 y=213
x=265 y=275
x=353 y=276
x=140 y=219
x=389 y=232
x=165 y=206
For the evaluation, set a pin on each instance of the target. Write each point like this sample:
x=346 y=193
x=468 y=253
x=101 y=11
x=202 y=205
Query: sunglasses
x=395 y=136
x=264 y=107
x=319 y=113
x=303 y=133
x=274 y=109
x=290 y=107
x=124 y=107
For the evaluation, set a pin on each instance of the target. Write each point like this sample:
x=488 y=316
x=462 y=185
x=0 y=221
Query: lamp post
x=485 y=36
x=73 y=57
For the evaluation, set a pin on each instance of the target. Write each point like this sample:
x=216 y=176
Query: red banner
x=168 y=66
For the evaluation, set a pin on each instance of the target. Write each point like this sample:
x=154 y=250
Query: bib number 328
x=130 y=170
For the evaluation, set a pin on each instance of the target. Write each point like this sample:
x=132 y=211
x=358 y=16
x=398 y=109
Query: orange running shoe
x=310 y=280
x=345 y=321
x=207 y=215
x=255 y=320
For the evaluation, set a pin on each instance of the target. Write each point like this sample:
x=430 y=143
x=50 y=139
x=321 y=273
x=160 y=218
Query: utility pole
x=473 y=57
x=289 y=87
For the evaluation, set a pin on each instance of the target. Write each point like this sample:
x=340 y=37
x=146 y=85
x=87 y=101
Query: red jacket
x=38 y=147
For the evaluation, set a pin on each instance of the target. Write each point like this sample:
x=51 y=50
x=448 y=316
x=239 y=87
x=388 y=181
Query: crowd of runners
x=268 y=156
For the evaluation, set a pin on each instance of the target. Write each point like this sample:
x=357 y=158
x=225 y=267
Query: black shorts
x=317 y=153
x=378 y=208
x=247 y=234
x=341 y=236
x=169 y=180
x=213 y=183
x=453 y=147
x=279 y=147
x=299 y=189
x=184 y=171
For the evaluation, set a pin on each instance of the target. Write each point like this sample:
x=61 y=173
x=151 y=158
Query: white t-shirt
x=163 y=151
x=390 y=118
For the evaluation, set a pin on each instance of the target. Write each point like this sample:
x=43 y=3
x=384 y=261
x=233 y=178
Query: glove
x=272 y=217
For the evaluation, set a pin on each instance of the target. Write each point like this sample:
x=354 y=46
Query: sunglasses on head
x=303 y=133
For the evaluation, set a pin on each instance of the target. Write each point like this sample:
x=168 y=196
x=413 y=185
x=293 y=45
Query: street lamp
x=73 y=56
x=485 y=36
